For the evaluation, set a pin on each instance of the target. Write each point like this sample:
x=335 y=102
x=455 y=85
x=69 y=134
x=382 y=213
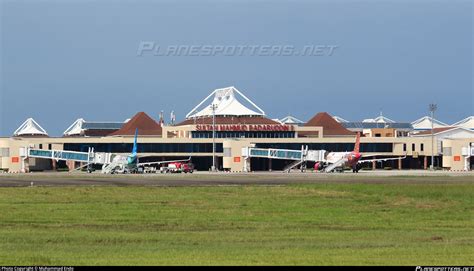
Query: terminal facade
x=233 y=122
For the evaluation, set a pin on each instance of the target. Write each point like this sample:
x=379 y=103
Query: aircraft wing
x=381 y=159
x=162 y=162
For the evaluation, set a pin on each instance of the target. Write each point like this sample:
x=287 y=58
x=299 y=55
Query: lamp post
x=432 y=108
x=213 y=108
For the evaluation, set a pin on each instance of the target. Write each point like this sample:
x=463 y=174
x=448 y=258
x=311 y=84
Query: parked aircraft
x=340 y=160
x=130 y=163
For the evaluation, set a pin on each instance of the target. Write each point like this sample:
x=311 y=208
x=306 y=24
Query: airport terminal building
x=234 y=122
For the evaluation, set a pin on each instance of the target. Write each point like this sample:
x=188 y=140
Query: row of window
x=243 y=134
x=335 y=147
x=207 y=147
x=413 y=147
x=50 y=147
x=144 y=147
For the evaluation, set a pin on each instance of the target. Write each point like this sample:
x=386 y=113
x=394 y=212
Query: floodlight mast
x=432 y=107
x=213 y=107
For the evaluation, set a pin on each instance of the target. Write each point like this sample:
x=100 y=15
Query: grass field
x=309 y=224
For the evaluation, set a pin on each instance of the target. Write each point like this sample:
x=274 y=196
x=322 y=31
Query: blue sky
x=61 y=60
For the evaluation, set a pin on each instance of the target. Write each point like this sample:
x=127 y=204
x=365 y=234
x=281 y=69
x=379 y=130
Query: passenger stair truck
x=113 y=167
x=335 y=165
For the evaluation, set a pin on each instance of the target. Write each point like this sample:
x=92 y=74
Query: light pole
x=213 y=107
x=432 y=108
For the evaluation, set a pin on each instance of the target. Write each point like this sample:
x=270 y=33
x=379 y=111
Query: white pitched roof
x=379 y=119
x=424 y=123
x=79 y=126
x=226 y=104
x=277 y=120
x=290 y=120
x=30 y=127
x=467 y=123
x=75 y=128
x=382 y=119
x=339 y=119
x=450 y=132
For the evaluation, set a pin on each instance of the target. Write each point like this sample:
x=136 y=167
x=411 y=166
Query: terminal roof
x=82 y=127
x=145 y=124
x=291 y=120
x=229 y=120
x=467 y=123
x=373 y=125
x=426 y=122
x=330 y=126
x=30 y=128
x=225 y=103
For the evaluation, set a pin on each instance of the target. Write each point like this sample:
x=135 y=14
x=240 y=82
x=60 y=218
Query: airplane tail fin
x=134 y=150
x=357 y=144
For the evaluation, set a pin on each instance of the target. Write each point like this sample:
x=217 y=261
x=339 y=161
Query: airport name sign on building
x=246 y=127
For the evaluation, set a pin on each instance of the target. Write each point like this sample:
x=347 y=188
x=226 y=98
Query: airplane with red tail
x=337 y=161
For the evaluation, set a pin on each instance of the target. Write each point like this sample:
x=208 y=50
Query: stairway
x=338 y=163
x=292 y=165
x=111 y=168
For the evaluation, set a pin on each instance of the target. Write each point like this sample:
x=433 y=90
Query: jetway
x=87 y=158
x=467 y=153
x=298 y=156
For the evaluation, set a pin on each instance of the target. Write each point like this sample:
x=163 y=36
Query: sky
x=64 y=60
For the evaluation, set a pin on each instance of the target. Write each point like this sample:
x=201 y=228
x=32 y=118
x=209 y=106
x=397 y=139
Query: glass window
x=227 y=152
x=4 y=152
x=144 y=147
x=335 y=147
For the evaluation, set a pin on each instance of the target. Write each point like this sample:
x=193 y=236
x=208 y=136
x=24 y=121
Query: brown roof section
x=229 y=120
x=94 y=133
x=31 y=135
x=330 y=126
x=145 y=124
x=435 y=131
x=99 y=132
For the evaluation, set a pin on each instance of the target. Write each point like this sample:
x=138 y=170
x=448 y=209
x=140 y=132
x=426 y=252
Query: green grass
x=317 y=224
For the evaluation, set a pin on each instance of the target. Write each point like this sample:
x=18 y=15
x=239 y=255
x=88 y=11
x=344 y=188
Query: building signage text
x=245 y=127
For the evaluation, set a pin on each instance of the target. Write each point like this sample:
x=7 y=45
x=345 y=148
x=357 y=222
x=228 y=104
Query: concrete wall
x=233 y=159
x=452 y=156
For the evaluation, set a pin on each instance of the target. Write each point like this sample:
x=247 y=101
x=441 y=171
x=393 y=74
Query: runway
x=214 y=179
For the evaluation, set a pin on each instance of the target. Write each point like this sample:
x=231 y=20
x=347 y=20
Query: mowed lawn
x=317 y=224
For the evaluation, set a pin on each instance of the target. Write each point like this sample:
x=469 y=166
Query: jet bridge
x=298 y=156
x=467 y=153
x=89 y=157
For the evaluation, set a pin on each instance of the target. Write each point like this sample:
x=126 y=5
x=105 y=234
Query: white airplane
x=339 y=160
x=130 y=163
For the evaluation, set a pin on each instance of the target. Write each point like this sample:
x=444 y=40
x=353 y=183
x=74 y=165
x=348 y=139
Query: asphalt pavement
x=212 y=179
